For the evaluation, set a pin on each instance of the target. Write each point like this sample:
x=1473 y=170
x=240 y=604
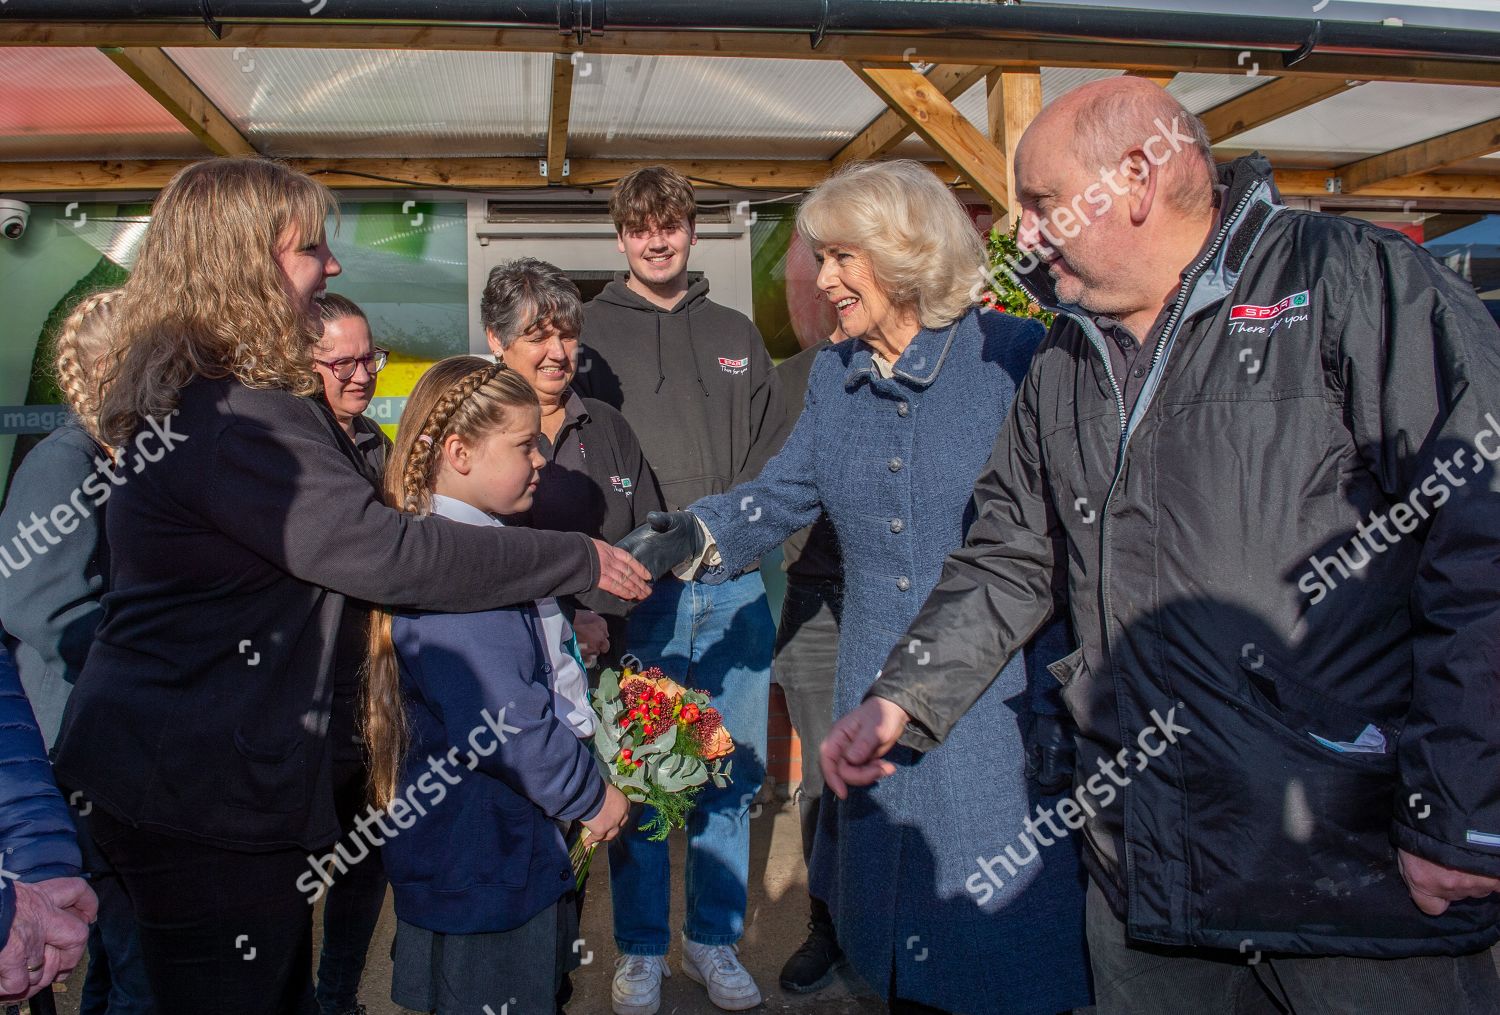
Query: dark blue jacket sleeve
x=36 y=833
x=498 y=712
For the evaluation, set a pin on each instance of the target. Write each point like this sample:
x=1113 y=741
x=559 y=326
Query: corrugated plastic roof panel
x=700 y=107
x=1375 y=117
x=76 y=104
x=378 y=103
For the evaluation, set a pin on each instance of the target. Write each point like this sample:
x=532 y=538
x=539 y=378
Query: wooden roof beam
x=466 y=173
x=1434 y=153
x=1268 y=102
x=520 y=173
x=1014 y=98
x=888 y=129
x=1155 y=78
x=934 y=118
x=165 y=82
x=562 y=105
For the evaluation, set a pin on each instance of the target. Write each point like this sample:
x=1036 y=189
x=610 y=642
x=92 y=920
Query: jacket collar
x=919 y=364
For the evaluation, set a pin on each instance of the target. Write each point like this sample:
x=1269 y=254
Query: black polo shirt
x=368 y=452
x=1130 y=357
x=596 y=481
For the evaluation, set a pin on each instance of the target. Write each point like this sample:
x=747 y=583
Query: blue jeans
x=715 y=638
x=116 y=981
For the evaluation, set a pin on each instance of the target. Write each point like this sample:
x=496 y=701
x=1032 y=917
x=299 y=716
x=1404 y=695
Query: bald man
x=1257 y=459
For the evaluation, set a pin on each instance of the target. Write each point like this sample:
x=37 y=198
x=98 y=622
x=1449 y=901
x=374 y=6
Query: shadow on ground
x=775 y=926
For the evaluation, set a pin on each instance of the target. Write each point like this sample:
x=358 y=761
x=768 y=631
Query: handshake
x=667 y=540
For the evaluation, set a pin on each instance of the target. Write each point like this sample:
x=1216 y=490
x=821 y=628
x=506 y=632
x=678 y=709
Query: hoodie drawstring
x=693 y=351
x=661 y=374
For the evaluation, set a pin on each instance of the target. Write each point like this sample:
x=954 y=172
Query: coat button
x=895 y=465
x=903 y=583
x=565 y=875
x=903 y=410
x=897 y=525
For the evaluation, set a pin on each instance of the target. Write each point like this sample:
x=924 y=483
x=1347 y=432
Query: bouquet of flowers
x=661 y=743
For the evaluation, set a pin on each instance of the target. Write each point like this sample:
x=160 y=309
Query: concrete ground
x=775 y=926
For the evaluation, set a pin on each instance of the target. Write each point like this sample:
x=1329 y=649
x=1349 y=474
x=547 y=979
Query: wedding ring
x=36 y=968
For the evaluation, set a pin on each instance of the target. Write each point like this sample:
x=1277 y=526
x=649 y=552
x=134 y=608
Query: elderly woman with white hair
x=897 y=426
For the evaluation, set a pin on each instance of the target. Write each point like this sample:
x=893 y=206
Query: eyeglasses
x=343 y=369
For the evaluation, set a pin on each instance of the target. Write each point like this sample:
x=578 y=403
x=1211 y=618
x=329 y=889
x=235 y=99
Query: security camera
x=13 y=218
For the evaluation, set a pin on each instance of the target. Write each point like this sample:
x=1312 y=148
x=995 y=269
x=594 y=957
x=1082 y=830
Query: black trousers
x=803 y=663
x=222 y=932
x=1147 y=980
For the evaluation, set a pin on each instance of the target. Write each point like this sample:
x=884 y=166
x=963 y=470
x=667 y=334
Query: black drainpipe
x=818 y=19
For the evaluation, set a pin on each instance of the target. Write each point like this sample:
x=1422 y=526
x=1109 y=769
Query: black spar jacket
x=1288 y=551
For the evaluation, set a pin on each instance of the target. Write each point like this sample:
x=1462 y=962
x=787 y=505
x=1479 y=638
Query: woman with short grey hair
x=596 y=480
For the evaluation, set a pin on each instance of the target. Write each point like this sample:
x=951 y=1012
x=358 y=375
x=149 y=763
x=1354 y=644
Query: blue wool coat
x=893 y=462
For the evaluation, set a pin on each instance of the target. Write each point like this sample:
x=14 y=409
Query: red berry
x=625 y=753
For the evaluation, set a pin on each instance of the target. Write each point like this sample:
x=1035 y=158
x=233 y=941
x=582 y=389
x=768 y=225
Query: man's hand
x=668 y=539
x=47 y=936
x=1433 y=886
x=620 y=574
x=592 y=633
x=852 y=751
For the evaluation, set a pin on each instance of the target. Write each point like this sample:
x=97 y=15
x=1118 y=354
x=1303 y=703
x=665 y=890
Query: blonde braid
x=416 y=478
x=78 y=364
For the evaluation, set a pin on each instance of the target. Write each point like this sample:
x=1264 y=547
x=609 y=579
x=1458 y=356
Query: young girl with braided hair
x=462 y=704
x=50 y=607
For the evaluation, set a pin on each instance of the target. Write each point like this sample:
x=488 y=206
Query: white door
x=582 y=243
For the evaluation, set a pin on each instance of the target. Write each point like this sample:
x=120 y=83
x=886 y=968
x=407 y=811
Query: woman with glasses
x=347 y=360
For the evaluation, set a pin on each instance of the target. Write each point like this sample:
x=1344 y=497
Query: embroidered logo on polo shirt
x=733 y=366
x=1251 y=312
x=621 y=484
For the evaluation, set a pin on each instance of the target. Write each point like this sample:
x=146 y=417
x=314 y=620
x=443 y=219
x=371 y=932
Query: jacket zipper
x=1162 y=342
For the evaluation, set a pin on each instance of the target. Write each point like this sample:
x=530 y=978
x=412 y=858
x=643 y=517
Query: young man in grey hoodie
x=695 y=383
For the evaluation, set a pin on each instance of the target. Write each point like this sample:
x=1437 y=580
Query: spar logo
x=1251 y=312
x=733 y=366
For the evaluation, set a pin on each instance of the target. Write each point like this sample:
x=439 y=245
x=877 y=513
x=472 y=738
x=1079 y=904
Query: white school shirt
x=569 y=682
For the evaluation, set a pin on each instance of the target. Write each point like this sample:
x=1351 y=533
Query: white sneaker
x=636 y=989
x=717 y=967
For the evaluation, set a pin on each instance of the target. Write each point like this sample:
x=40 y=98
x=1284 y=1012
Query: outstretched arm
x=994 y=594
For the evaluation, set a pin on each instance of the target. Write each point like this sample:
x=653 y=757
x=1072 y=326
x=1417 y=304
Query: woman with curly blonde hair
x=198 y=729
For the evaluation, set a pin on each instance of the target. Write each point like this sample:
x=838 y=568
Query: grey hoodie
x=694 y=382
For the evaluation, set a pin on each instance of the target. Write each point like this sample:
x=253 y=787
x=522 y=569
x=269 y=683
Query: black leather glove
x=667 y=539
x=1050 y=754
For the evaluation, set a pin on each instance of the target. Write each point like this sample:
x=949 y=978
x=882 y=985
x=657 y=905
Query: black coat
x=203 y=708
x=1318 y=373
